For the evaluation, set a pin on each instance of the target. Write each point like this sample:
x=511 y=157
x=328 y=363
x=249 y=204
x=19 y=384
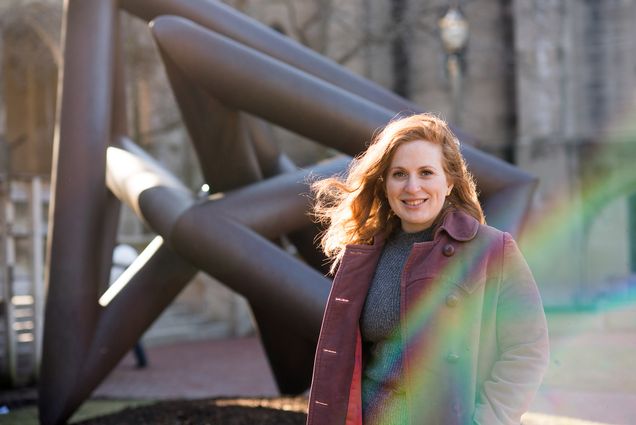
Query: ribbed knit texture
x=383 y=399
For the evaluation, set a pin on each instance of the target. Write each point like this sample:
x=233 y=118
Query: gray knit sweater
x=383 y=399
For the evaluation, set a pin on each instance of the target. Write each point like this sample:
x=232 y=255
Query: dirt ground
x=244 y=411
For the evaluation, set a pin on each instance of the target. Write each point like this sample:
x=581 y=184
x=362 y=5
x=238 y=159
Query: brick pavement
x=591 y=379
x=193 y=370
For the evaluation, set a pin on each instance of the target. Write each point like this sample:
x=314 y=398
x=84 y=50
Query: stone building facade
x=575 y=93
x=547 y=85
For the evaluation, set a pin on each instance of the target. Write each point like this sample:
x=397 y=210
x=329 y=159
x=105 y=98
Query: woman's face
x=416 y=185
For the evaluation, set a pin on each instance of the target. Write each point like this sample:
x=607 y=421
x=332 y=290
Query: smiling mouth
x=413 y=203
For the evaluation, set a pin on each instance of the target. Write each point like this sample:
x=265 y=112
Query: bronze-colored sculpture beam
x=159 y=280
x=222 y=143
x=152 y=191
x=286 y=295
x=119 y=126
x=222 y=135
x=277 y=206
x=80 y=200
x=135 y=177
x=304 y=104
x=241 y=66
x=505 y=191
x=272 y=161
x=300 y=291
x=223 y=19
x=162 y=276
x=312 y=107
x=226 y=21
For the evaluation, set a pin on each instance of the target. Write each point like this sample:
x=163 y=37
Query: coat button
x=448 y=250
x=452 y=300
x=452 y=358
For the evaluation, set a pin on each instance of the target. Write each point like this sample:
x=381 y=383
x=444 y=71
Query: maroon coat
x=472 y=325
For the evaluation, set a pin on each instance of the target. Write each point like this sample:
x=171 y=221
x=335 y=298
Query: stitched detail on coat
x=342 y=300
x=502 y=258
x=329 y=351
x=321 y=403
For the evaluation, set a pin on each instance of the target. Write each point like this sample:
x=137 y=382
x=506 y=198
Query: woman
x=433 y=316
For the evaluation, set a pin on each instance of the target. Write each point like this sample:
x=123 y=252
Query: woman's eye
x=399 y=174
x=426 y=173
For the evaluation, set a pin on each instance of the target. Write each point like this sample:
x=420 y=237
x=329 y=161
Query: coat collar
x=459 y=225
x=456 y=223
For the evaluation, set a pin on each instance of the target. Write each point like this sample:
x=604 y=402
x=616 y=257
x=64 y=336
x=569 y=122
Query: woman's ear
x=450 y=189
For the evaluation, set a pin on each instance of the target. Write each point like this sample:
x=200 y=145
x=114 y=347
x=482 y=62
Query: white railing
x=23 y=227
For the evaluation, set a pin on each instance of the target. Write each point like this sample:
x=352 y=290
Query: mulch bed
x=243 y=411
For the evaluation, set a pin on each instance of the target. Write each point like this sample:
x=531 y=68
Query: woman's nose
x=412 y=185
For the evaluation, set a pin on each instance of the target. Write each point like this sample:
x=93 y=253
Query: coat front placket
x=339 y=343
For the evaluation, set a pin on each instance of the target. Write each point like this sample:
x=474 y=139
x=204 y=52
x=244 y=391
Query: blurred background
x=546 y=85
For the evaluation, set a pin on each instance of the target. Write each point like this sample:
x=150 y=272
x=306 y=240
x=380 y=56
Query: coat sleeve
x=522 y=339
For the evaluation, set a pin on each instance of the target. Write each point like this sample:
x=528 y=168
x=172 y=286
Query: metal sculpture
x=230 y=75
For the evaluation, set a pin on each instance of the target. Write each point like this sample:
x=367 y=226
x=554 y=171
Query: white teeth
x=414 y=203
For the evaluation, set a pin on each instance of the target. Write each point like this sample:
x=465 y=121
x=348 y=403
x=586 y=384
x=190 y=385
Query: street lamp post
x=453 y=30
